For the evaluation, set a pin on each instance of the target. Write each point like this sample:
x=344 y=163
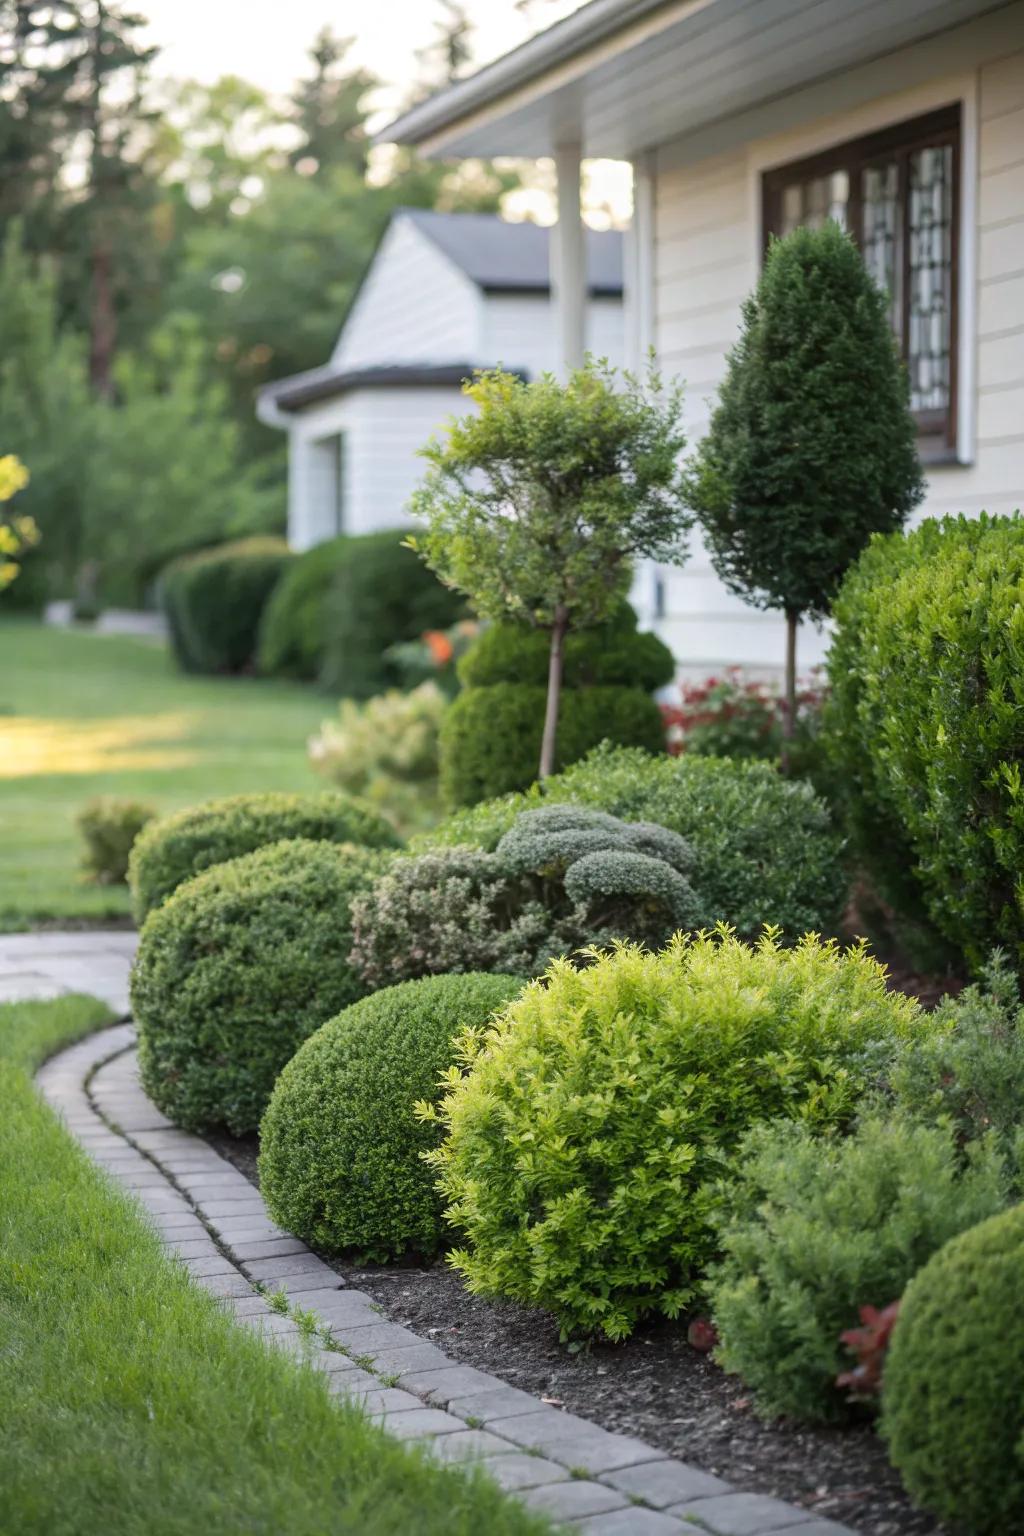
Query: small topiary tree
x=811 y=447
x=340 y=1148
x=236 y=969
x=536 y=503
x=590 y=1126
x=953 y=1391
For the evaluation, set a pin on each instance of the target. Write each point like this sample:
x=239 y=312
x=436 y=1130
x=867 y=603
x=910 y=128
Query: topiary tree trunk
x=549 y=739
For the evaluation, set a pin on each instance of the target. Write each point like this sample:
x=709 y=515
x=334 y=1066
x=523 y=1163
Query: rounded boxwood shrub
x=923 y=725
x=817 y=1228
x=764 y=847
x=236 y=969
x=381 y=593
x=586 y=1142
x=953 y=1391
x=214 y=600
x=490 y=737
x=340 y=1146
x=292 y=633
x=612 y=654
x=179 y=846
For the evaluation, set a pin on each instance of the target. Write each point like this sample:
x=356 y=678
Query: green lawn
x=83 y=714
x=132 y=1404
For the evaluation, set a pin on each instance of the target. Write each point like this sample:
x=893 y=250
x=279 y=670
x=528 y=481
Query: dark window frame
x=937 y=430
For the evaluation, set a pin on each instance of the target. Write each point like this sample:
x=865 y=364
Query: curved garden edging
x=214 y=1222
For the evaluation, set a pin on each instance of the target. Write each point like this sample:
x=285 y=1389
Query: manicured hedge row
x=236 y=969
x=340 y=1147
x=293 y=632
x=214 y=600
x=175 y=848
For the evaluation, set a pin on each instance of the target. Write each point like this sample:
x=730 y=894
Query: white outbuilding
x=446 y=293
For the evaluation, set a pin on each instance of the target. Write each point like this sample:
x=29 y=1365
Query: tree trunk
x=789 y=712
x=547 y=746
x=103 y=324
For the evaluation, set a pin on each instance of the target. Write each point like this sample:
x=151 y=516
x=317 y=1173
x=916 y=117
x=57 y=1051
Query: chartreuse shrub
x=292 y=633
x=214 y=600
x=953 y=1394
x=380 y=593
x=109 y=826
x=923 y=725
x=236 y=969
x=764 y=848
x=563 y=877
x=184 y=844
x=816 y=1228
x=596 y=1116
x=385 y=751
x=340 y=1148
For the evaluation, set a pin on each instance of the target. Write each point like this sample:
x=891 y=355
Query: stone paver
x=41 y=966
x=215 y=1224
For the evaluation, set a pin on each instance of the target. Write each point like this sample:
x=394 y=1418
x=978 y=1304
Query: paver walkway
x=214 y=1222
x=45 y=965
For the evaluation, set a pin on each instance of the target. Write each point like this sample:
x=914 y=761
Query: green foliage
x=815 y=1229
x=340 y=1148
x=214 y=598
x=380 y=594
x=185 y=843
x=590 y=469
x=610 y=654
x=811 y=447
x=386 y=750
x=953 y=1399
x=491 y=737
x=764 y=848
x=561 y=879
x=292 y=630
x=927 y=674
x=236 y=969
x=968 y=1071
x=595 y=1117
x=109 y=826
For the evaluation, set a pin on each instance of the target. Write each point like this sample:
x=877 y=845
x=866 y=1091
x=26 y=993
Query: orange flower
x=439 y=646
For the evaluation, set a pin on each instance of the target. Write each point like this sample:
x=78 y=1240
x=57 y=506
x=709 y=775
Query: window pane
x=880 y=188
x=930 y=297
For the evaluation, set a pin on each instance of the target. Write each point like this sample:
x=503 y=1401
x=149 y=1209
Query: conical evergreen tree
x=812 y=446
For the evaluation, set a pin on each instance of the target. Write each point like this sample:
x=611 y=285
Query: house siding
x=518 y=331
x=706 y=241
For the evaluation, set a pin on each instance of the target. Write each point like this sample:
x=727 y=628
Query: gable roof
x=502 y=257
x=302 y=389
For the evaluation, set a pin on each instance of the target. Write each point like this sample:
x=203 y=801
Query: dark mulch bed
x=655 y=1387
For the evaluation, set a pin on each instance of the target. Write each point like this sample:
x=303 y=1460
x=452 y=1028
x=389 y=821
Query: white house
x=904 y=119
x=445 y=293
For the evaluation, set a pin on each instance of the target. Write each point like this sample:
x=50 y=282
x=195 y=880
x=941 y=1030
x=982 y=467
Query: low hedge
x=953 y=1392
x=765 y=849
x=293 y=633
x=214 y=599
x=923 y=726
x=236 y=969
x=381 y=593
x=340 y=1149
x=587 y=1140
x=176 y=847
x=613 y=654
x=490 y=737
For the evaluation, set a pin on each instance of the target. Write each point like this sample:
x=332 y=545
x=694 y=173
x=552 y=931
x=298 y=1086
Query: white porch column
x=639 y=267
x=569 y=262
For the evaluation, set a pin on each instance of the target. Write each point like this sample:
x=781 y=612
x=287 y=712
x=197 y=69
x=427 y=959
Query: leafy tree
x=536 y=503
x=329 y=110
x=811 y=447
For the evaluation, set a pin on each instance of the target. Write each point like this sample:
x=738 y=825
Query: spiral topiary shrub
x=953 y=1392
x=597 y=1114
x=563 y=878
x=764 y=847
x=179 y=846
x=236 y=969
x=340 y=1146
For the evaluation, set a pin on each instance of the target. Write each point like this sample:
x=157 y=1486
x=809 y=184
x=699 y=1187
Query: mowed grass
x=132 y=1405
x=83 y=715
